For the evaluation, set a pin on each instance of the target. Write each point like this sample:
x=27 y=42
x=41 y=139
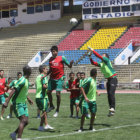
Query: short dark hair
x=71 y=73
x=77 y=73
x=1 y=70
x=83 y=73
x=27 y=70
x=41 y=68
x=9 y=78
x=93 y=72
x=106 y=55
x=18 y=73
x=54 y=48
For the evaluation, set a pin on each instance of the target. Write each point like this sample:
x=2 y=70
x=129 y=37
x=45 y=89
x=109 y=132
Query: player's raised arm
x=67 y=62
x=93 y=62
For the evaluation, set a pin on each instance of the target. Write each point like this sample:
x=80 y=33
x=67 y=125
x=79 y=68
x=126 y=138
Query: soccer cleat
x=92 y=129
x=111 y=114
x=112 y=110
x=50 y=109
x=1 y=118
x=13 y=136
x=48 y=127
x=41 y=128
x=9 y=116
x=55 y=115
x=80 y=130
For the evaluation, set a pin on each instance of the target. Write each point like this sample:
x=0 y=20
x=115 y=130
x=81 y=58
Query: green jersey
x=81 y=82
x=106 y=68
x=13 y=83
x=40 y=91
x=21 y=87
x=89 y=86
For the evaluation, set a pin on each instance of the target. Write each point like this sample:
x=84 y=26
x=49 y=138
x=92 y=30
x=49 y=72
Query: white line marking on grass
x=74 y=133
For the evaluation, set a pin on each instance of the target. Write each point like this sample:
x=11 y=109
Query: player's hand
x=89 y=54
x=91 y=49
x=98 y=93
x=86 y=99
x=5 y=105
x=30 y=102
x=71 y=62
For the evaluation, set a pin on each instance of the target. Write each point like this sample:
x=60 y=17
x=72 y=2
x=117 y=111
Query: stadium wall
x=24 y=18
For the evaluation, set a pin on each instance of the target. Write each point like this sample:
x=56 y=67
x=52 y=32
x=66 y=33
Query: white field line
x=74 y=133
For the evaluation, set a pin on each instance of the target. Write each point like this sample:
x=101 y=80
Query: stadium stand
x=75 y=39
x=19 y=44
x=132 y=34
x=104 y=37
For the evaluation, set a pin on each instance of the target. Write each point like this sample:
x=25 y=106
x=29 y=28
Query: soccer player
x=88 y=90
x=3 y=87
x=19 y=98
x=72 y=87
x=42 y=97
x=10 y=86
x=110 y=74
x=56 y=71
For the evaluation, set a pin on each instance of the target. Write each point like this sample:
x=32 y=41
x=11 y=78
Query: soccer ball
x=73 y=21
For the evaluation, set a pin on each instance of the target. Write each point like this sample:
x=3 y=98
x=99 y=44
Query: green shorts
x=55 y=84
x=2 y=99
x=20 y=109
x=42 y=104
x=92 y=106
x=74 y=101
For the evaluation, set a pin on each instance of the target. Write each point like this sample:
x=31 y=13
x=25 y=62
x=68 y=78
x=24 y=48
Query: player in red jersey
x=56 y=71
x=73 y=86
x=3 y=85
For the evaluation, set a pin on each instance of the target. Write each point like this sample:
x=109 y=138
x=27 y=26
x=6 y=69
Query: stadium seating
x=75 y=39
x=19 y=44
x=104 y=37
x=132 y=34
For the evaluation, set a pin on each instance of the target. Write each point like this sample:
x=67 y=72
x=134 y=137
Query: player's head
x=1 y=73
x=43 y=69
x=27 y=71
x=93 y=73
x=9 y=80
x=71 y=76
x=105 y=55
x=78 y=75
x=54 y=51
x=19 y=75
x=82 y=75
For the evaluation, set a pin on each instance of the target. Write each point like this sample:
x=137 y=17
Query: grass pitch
x=125 y=125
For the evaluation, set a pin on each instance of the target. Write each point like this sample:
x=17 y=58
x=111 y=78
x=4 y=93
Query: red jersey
x=57 y=67
x=2 y=85
x=74 y=93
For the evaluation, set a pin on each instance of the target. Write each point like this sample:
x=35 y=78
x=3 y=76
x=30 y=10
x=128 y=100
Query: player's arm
x=9 y=97
x=45 y=83
x=67 y=62
x=30 y=101
x=84 y=94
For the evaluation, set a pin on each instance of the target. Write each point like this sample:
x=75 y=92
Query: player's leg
x=108 y=93
x=84 y=111
x=51 y=87
x=77 y=107
x=93 y=110
x=38 y=113
x=2 y=98
x=59 y=87
x=23 y=123
x=71 y=107
x=113 y=85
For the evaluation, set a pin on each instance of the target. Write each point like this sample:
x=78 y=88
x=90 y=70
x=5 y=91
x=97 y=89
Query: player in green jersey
x=20 y=95
x=11 y=85
x=110 y=74
x=42 y=97
x=89 y=92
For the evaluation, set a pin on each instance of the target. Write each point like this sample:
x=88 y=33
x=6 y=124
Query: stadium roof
x=5 y=2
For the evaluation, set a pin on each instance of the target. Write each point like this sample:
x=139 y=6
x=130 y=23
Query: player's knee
x=25 y=121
